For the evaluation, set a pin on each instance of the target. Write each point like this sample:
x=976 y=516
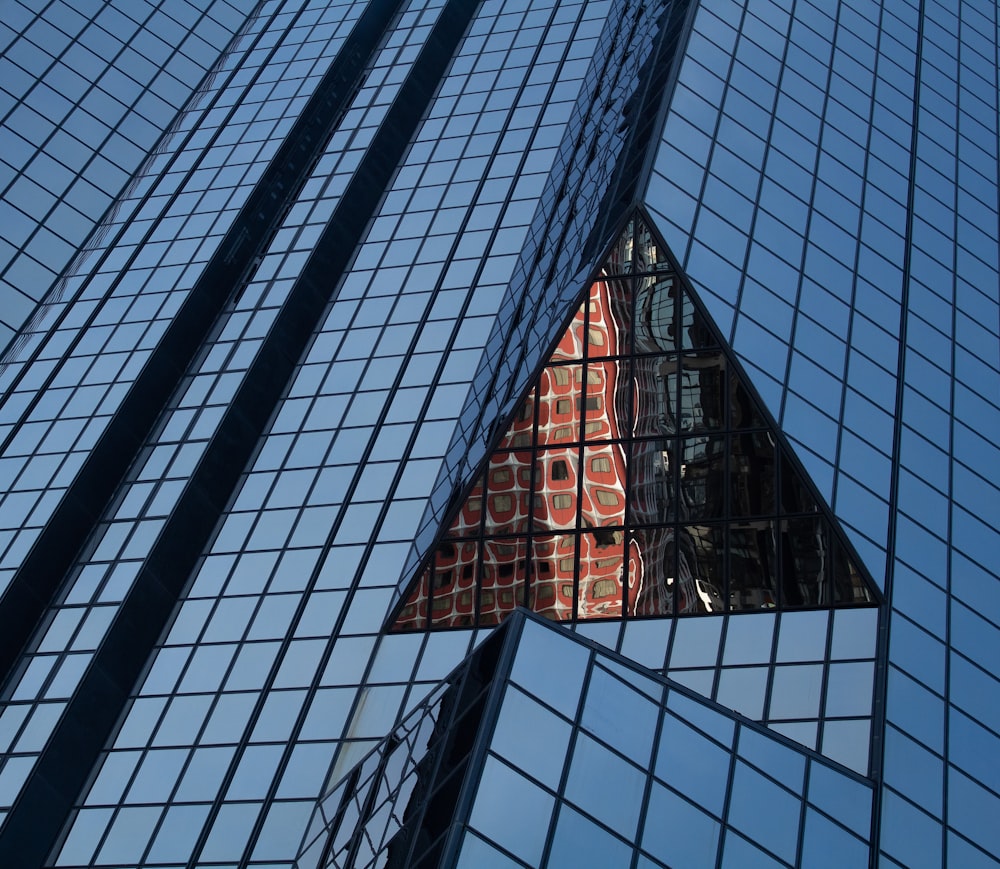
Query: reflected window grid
x=589 y=441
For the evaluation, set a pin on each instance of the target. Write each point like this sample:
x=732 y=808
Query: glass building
x=511 y=433
x=87 y=92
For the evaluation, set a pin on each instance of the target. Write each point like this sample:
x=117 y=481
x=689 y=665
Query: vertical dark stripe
x=302 y=314
x=882 y=650
x=33 y=826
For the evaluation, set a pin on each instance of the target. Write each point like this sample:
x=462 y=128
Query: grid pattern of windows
x=637 y=478
x=74 y=370
x=847 y=157
x=793 y=124
x=574 y=757
x=295 y=560
x=639 y=361
x=380 y=218
x=105 y=577
x=86 y=92
x=566 y=235
x=644 y=765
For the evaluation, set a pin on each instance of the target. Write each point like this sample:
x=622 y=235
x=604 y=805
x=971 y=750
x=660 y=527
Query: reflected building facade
x=637 y=468
x=508 y=433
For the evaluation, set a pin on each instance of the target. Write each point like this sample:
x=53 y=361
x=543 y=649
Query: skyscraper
x=88 y=90
x=506 y=434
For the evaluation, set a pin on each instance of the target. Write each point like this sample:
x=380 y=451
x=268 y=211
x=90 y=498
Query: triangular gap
x=688 y=501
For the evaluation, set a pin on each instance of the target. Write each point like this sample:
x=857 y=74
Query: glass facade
x=516 y=433
x=498 y=767
x=87 y=92
x=638 y=477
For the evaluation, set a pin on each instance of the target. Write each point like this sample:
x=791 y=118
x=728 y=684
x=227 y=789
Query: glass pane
x=752 y=472
x=605 y=785
x=571 y=345
x=681 y=835
x=508 y=484
x=848 y=584
x=545 y=752
x=414 y=614
x=556 y=485
x=703 y=389
x=604 y=484
x=454 y=580
x=559 y=417
x=652 y=489
x=649 y=255
x=652 y=568
x=476 y=853
x=602 y=563
x=519 y=433
x=693 y=764
x=619 y=261
x=700 y=568
x=580 y=842
x=703 y=474
x=695 y=331
x=608 y=326
x=656 y=314
x=751 y=566
x=511 y=811
x=795 y=497
x=654 y=380
x=466 y=522
x=606 y=410
x=504 y=570
x=553 y=559
x=805 y=563
x=743 y=412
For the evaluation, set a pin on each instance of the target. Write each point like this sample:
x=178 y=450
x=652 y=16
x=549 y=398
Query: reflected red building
x=637 y=478
x=561 y=467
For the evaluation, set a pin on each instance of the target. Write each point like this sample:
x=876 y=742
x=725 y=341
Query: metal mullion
x=529 y=573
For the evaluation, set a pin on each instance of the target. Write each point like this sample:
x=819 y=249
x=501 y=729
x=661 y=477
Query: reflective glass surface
x=846 y=157
x=364 y=423
x=488 y=409
x=624 y=766
x=638 y=477
x=86 y=93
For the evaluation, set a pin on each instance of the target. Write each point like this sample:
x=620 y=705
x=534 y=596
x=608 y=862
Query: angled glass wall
x=505 y=765
x=828 y=179
x=235 y=436
x=282 y=612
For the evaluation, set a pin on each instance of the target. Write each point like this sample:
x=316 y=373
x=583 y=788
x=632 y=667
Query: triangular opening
x=639 y=477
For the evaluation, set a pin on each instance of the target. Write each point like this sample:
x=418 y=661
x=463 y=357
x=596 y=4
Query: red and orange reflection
x=544 y=526
x=638 y=478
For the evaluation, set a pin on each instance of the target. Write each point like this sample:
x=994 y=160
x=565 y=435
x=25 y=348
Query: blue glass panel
x=677 y=833
x=511 y=811
x=531 y=737
x=761 y=809
x=693 y=764
x=578 y=841
x=605 y=786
